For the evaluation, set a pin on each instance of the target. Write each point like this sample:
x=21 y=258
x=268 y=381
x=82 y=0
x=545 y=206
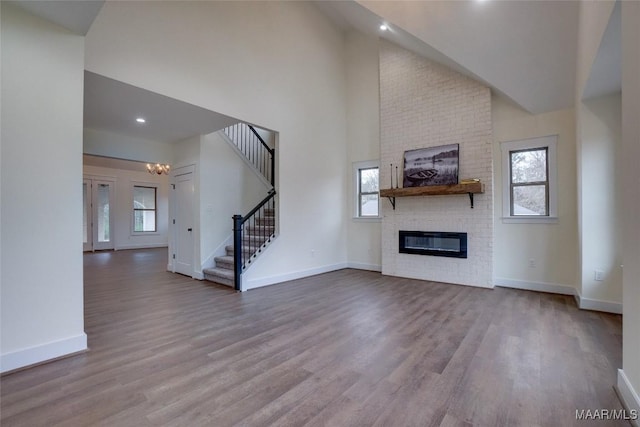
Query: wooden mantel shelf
x=434 y=190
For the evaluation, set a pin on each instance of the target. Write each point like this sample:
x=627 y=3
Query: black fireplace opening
x=435 y=243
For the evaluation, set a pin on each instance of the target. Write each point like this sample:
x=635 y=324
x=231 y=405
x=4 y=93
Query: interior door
x=97 y=209
x=183 y=228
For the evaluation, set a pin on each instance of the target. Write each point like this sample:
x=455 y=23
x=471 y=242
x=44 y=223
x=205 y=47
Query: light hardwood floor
x=348 y=348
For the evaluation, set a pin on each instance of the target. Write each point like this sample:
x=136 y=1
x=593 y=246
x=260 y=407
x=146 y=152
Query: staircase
x=256 y=238
x=252 y=232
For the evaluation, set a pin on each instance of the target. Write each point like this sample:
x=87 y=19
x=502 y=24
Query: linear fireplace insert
x=434 y=243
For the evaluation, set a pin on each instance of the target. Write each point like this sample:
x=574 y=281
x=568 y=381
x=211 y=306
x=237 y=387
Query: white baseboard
x=42 y=353
x=556 y=288
x=597 y=305
x=265 y=281
x=364 y=266
x=198 y=275
x=628 y=396
x=143 y=246
x=553 y=288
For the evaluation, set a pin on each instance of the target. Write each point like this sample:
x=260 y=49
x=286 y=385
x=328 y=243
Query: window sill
x=144 y=233
x=529 y=220
x=367 y=218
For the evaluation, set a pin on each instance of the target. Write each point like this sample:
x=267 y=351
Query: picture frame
x=431 y=166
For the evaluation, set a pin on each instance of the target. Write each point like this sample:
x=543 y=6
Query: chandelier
x=158 y=169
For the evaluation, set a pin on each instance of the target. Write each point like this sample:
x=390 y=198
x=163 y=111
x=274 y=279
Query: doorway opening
x=97 y=213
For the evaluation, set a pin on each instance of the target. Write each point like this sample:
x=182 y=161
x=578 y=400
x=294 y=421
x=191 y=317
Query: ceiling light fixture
x=384 y=27
x=140 y=120
x=158 y=169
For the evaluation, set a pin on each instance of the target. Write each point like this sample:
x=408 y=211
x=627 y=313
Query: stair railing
x=246 y=246
x=259 y=220
x=251 y=144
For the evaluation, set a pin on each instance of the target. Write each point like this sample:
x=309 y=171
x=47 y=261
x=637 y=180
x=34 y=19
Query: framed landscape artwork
x=431 y=166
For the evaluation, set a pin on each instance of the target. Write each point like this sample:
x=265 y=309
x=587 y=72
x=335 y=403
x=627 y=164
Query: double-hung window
x=144 y=209
x=529 y=180
x=367 y=189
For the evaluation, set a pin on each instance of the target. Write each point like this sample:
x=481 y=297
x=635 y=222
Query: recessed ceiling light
x=384 y=27
x=140 y=120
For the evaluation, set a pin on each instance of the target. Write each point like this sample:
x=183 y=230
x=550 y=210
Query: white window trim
x=132 y=222
x=368 y=164
x=550 y=142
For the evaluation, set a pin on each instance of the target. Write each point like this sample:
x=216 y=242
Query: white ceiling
x=525 y=50
x=75 y=15
x=113 y=106
x=606 y=71
x=349 y=15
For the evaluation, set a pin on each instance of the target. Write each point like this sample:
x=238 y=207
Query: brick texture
x=424 y=104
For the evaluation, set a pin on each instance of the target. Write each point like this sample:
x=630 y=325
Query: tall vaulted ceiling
x=525 y=50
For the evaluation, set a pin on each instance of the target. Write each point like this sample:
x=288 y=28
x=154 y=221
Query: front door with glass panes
x=97 y=209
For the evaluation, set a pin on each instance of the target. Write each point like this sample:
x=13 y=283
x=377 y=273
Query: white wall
x=601 y=198
x=552 y=246
x=281 y=66
x=186 y=154
x=629 y=378
x=596 y=136
x=268 y=136
x=123 y=235
x=109 y=144
x=227 y=187
x=363 y=143
x=42 y=83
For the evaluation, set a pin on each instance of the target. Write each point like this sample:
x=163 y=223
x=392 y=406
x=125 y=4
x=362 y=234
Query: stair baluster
x=255 y=230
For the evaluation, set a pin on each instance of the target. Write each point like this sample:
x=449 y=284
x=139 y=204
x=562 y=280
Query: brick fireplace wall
x=424 y=104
